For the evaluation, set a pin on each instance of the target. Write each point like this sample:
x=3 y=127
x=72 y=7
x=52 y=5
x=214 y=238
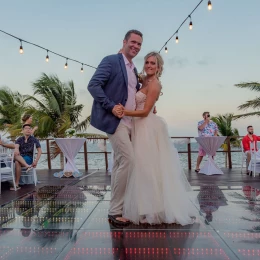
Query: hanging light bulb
x=209 y=5
x=190 y=26
x=82 y=68
x=166 y=50
x=66 y=64
x=47 y=56
x=177 y=38
x=21 y=48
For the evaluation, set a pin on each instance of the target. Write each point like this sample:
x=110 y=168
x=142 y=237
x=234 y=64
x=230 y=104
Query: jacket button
x=126 y=99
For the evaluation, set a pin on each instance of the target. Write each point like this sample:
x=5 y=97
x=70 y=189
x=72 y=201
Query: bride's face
x=150 y=66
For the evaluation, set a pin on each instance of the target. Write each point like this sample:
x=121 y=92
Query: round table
x=210 y=144
x=70 y=148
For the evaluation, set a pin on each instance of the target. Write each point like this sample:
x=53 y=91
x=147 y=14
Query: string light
x=47 y=56
x=43 y=48
x=21 y=47
x=209 y=5
x=66 y=64
x=190 y=26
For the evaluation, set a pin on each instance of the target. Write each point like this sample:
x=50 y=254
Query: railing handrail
x=106 y=138
x=188 y=151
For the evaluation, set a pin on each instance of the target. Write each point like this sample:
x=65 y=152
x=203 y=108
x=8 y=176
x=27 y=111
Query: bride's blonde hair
x=159 y=62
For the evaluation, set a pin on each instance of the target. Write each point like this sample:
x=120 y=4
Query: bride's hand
x=118 y=110
x=122 y=109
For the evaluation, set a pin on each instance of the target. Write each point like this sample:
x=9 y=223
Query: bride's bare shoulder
x=156 y=84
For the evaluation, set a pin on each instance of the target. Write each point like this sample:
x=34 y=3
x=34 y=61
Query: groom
x=115 y=82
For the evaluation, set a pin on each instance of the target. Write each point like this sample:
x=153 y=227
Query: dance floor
x=67 y=219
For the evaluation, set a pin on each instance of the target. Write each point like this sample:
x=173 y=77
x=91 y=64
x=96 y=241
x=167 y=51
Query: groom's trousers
x=123 y=166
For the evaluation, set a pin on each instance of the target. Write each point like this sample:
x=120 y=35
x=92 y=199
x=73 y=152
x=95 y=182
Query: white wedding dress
x=157 y=190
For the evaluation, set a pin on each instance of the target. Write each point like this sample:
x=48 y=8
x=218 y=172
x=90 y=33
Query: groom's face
x=132 y=46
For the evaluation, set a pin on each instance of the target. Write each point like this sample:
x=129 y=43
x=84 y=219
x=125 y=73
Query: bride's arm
x=152 y=96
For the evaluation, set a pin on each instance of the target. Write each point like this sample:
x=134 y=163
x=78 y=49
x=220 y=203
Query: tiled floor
x=68 y=220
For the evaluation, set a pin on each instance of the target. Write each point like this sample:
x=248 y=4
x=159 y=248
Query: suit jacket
x=109 y=87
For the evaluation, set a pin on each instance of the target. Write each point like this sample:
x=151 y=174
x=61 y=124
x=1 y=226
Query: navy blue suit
x=108 y=87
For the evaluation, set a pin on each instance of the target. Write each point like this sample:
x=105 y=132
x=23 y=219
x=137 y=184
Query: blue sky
x=200 y=71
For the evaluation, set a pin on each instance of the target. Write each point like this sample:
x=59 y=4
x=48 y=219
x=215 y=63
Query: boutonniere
x=141 y=78
x=138 y=75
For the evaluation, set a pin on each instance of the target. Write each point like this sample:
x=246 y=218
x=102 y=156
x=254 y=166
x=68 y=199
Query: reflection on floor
x=70 y=222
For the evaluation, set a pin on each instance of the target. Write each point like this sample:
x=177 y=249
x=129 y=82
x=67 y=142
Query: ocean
x=97 y=161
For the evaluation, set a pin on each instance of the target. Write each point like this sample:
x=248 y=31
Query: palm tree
x=12 y=106
x=253 y=104
x=54 y=104
x=224 y=123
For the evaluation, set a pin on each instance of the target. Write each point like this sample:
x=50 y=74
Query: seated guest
x=6 y=143
x=27 y=120
x=249 y=139
x=206 y=127
x=24 y=147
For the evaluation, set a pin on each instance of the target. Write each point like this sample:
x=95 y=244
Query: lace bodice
x=140 y=99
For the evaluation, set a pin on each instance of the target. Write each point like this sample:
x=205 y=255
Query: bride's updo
x=159 y=61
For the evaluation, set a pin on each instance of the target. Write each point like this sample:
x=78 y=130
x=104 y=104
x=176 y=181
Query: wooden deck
x=231 y=177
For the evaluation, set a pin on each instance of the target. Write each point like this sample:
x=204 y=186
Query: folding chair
x=7 y=171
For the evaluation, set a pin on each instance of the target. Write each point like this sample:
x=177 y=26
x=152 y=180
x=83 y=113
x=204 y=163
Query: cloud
x=204 y=61
x=220 y=86
x=179 y=62
x=82 y=91
x=139 y=60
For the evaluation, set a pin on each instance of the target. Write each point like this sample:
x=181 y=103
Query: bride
x=157 y=189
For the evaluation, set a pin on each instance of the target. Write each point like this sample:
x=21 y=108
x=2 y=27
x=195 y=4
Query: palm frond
x=83 y=124
x=224 y=123
x=253 y=104
x=54 y=150
x=46 y=126
x=255 y=86
x=74 y=112
x=257 y=113
x=12 y=106
x=53 y=104
x=62 y=125
x=38 y=104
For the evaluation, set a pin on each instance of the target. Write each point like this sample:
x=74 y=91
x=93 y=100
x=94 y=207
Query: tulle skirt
x=157 y=190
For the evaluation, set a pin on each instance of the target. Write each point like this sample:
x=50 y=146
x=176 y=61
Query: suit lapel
x=122 y=64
